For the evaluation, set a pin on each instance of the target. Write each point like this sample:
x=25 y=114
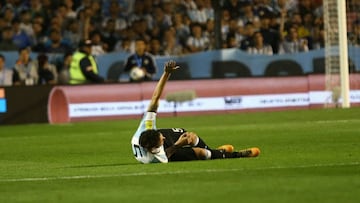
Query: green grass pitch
x=306 y=156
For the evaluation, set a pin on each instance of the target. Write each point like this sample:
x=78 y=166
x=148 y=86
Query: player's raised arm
x=169 y=67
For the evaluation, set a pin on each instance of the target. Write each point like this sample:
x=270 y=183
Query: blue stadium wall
x=219 y=64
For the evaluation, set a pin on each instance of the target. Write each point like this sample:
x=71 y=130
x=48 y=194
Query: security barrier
x=118 y=101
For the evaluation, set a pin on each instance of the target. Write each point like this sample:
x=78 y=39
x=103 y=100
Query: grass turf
x=306 y=156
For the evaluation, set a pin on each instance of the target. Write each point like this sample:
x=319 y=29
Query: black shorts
x=184 y=154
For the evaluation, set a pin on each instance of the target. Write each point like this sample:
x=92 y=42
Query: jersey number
x=177 y=130
x=137 y=150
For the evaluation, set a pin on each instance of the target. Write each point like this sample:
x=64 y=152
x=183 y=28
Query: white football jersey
x=140 y=153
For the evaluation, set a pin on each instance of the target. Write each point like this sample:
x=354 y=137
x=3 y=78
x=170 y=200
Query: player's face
x=140 y=47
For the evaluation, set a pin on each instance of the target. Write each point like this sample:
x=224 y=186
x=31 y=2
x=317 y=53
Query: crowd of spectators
x=169 y=27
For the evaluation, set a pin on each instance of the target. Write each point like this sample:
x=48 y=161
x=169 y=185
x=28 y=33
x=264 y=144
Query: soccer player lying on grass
x=152 y=145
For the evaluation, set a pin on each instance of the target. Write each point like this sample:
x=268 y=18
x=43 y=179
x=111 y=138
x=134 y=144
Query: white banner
x=235 y=102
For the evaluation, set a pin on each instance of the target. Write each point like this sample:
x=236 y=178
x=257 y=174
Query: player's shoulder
x=172 y=130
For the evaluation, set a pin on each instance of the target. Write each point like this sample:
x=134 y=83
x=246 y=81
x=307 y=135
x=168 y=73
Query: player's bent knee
x=201 y=153
x=195 y=140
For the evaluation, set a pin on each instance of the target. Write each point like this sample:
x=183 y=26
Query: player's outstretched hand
x=170 y=66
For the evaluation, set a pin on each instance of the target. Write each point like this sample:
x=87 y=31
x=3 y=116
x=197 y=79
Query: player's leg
x=184 y=154
x=198 y=142
x=202 y=153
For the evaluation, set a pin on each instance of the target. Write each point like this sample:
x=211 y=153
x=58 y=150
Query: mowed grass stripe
x=176 y=172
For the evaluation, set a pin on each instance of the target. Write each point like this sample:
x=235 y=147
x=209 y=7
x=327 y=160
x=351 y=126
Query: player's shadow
x=100 y=165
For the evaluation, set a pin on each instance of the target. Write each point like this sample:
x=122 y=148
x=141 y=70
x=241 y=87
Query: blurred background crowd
x=169 y=27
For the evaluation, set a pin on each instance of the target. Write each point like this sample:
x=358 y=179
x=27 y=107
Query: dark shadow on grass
x=101 y=165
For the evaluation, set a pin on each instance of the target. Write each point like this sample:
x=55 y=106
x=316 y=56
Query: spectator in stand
x=319 y=38
x=6 y=75
x=56 y=44
x=178 y=7
x=97 y=17
x=84 y=19
x=258 y=46
x=271 y=36
x=308 y=28
x=37 y=9
x=249 y=15
x=138 y=12
x=124 y=45
x=189 y=4
x=305 y=6
x=248 y=34
x=167 y=8
x=70 y=13
x=225 y=24
x=72 y=33
x=25 y=23
x=3 y=23
x=82 y=4
x=171 y=44
x=288 y=6
x=298 y=21
x=209 y=10
x=197 y=42
x=160 y=21
x=115 y=18
x=39 y=38
x=231 y=41
x=234 y=7
x=354 y=36
x=47 y=71
x=182 y=30
x=20 y=38
x=235 y=31
x=155 y=48
x=199 y=13
x=125 y=7
x=58 y=20
x=141 y=59
x=98 y=47
x=8 y=15
x=140 y=29
x=110 y=35
x=209 y=32
x=64 y=73
x=6 y=42
x=83 y=67
x=292 y=43
x=25 y=70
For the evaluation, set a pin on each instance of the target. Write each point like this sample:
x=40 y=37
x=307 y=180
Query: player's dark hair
x=149 y=139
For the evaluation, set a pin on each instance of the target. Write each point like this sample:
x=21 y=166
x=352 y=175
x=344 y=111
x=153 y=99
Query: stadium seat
x=319 y=65
x=115 y=70
x=183 y=73
x=229 y=69
x=283 y=68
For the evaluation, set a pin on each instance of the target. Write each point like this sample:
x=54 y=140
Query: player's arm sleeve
x=85 y=66
x=150 y=120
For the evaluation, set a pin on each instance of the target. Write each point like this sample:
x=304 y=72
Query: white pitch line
x=39 y=179
x=335 y=121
